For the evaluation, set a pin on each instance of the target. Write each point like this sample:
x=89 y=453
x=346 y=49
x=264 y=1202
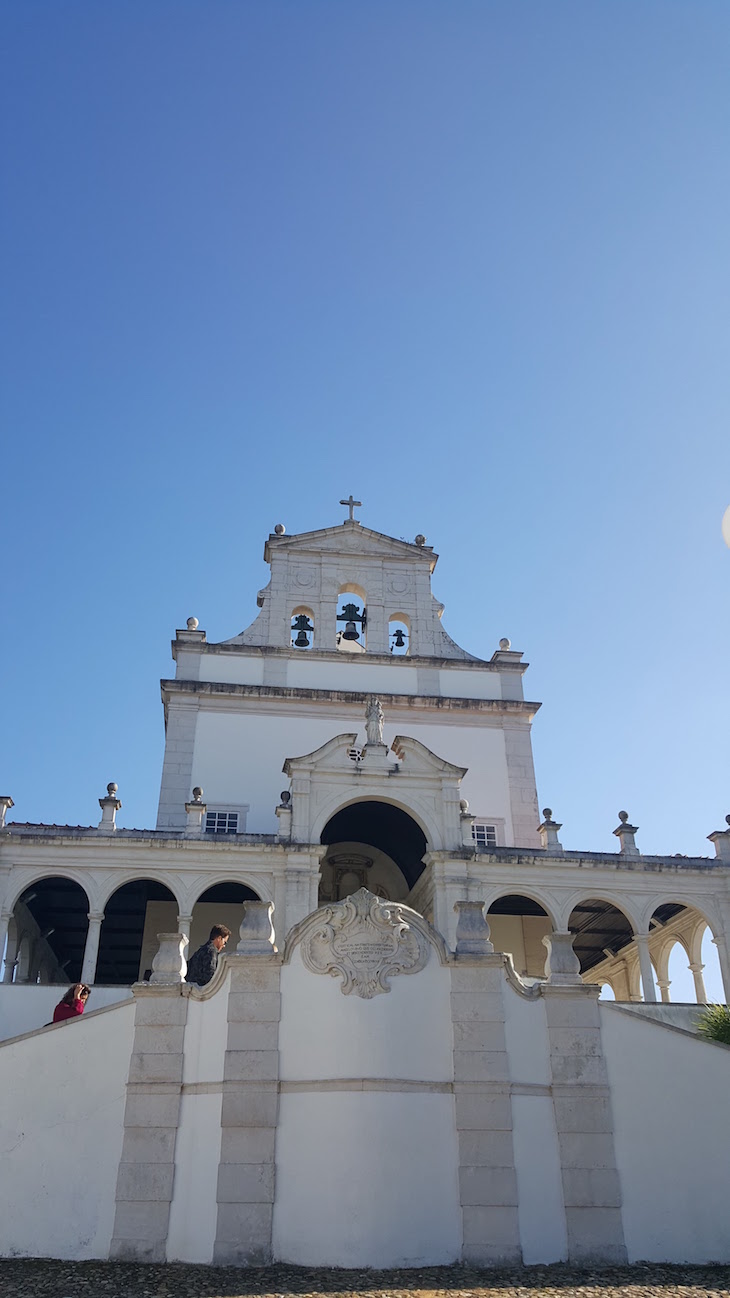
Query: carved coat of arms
x=364 y=941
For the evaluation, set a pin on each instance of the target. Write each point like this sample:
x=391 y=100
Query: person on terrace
x=73 y=1003
x=204 y=962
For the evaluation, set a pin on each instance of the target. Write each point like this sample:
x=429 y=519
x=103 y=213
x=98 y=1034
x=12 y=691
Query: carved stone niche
x=365 y=941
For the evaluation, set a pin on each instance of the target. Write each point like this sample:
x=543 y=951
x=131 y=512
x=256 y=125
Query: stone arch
x=402 y=622
x=422 y=817
x=350 y=592
x=683 y=923
x=518 y=921
x=382 y=846
x=303 y=622
x=134 y=913
x=221 y=902
x=602 y=931
x=53 y=910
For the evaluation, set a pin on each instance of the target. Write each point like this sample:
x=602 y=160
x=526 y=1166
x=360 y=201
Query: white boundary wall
x=669 y=1094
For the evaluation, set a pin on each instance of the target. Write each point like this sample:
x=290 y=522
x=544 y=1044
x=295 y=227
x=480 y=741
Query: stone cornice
x=218 y=690
x=402 y=661
x=643 y=865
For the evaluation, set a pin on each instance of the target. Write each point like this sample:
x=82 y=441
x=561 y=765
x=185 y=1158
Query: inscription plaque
x=364 y=941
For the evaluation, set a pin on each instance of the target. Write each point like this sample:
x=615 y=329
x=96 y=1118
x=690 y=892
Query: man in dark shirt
x=203 y=964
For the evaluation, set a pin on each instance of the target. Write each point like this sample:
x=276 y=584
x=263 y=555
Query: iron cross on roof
x=352 y=504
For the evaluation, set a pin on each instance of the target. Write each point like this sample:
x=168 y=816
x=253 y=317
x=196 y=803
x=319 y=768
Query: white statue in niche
x=374 y=719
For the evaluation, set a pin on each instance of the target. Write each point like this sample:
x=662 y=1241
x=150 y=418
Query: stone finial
x=257 y=931
x=192 y=624
x=280 y=529
x=625 y=834
x=169 y=965
x=6 y=802
x=562 y=966
x=721 y=840
x=505 y=644
x=467 y=823
x=420 y=539
x=472 y=930
x=548 y=832
x=196 y=812
x=110 y=805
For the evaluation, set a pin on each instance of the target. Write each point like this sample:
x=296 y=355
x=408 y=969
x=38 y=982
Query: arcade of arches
x=52 y=940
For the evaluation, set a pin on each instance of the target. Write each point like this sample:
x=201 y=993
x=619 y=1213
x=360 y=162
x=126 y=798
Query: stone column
x=641 y=941
x=91 y=949
x=483 y=1107
x=151 y=1119
x=584 y=1122
x=722 y=952
x=5 y=918
x=183 y=926
x=700 y=992
x=11 y=952
x=250 y=1105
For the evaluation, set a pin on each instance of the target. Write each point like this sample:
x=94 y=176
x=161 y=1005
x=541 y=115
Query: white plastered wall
x=355 y=1183
x=193 y=1211
x=239 y=755
x=62 y=1122
x=669 y=1094
x=541 y=1213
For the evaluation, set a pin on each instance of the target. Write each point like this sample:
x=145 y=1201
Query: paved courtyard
x=23 y=1278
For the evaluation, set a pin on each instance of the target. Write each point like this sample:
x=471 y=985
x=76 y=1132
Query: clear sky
x=467 y=260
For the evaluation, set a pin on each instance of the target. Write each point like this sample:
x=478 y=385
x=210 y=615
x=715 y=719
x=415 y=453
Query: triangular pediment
x=350 y=539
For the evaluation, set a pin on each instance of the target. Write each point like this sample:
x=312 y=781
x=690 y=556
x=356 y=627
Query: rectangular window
x=221 y=822
x=483 y=834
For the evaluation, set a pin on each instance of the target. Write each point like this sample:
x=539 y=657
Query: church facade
x=409 y=1018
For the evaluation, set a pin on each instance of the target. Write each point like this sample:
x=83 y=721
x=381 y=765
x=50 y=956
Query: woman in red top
x=73 y=1003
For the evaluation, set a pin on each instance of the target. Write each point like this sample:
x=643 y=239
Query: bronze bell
x=399 y=640
x=301 y=641
x=350 y=632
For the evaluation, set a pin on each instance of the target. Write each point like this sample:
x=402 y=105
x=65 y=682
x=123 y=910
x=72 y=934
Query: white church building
x=403 y=1058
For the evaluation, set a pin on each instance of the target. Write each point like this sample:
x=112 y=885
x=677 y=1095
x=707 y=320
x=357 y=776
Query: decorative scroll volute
x=364 y=941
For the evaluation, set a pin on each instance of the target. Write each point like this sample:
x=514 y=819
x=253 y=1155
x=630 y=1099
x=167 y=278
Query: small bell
x=350 y=632
x=301 y=641
x=399 y=640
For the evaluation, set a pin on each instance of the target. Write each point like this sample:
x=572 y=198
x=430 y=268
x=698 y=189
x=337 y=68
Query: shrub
x=714 y=1024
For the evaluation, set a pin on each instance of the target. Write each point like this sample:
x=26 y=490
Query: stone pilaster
x=584 y=1122
x=487 y=1177
x=249 y=1112
x=151 y=1119
x=522 y=786
x=91 y=948
x=177 y=767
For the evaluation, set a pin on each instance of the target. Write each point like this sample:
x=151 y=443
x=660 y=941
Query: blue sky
x=468 y=261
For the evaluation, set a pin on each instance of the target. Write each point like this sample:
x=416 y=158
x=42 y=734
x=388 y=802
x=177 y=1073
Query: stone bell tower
x=348 y=614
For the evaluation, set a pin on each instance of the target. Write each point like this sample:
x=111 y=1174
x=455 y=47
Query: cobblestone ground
x=26 y=1278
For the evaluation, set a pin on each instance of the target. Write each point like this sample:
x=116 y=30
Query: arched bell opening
x=133 y=916
x=220 y=904
x=371 y=845
x=517 y=926
x=50 y=922
x=352 y=620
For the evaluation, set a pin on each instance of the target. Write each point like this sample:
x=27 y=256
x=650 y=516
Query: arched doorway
x=517 y=926
x=133 y=916
x=51 y=920
x=220 y=904
x=371 y=845
x=686 y=958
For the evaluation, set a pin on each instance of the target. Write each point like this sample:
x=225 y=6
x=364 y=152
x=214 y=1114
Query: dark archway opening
x=518 y=924
x=373 y=845
x=133 y=916
x=51 y=919
x=601 y=931
x=220 y=904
